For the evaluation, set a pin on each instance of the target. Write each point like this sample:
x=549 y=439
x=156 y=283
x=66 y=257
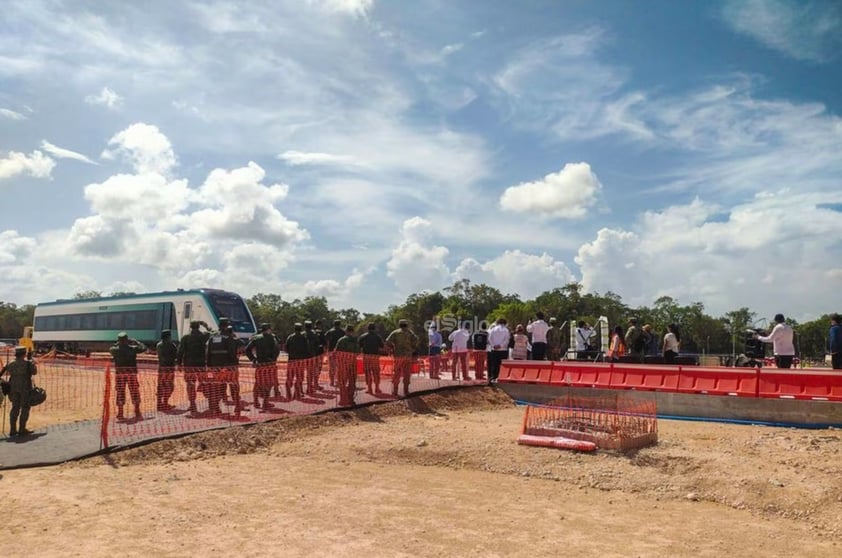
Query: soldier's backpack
x=37 y=396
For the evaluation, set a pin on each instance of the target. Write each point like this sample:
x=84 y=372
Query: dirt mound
x=259 y=437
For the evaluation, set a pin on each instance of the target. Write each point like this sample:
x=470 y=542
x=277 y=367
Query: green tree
x=81 y=295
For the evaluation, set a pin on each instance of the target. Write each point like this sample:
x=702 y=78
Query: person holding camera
x=20 y=373
x=781 y=338
x=584 y=333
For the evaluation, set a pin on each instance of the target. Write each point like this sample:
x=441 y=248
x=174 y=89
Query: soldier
x=125 y=354
x=192 y=357
x=298 y=351
x=331 y=338
x=167 y=351
x=346 y=351
x=221 y=359
x=371 y=345
x=263 y=350
x=314 y=365
x=20 y=373
x=403 y=343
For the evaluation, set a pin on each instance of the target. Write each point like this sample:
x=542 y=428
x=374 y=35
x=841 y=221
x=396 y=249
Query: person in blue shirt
x=835 y=342
x=435 y=342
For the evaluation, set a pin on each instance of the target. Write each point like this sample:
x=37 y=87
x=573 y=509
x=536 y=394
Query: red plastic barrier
x=740 y=382
x=526 y=371
x=639 y=377
x=581 y=374
x=794 y=384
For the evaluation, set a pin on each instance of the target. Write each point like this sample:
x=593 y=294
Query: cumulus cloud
x=766 y=254
x=416 y=264
x=35 y=164
x=567 y=194
x=514 y=271
x=149 y=196
x=801 y=30
x=107 y=97
x=61 y=153
x=145 y=147
x=11 y=115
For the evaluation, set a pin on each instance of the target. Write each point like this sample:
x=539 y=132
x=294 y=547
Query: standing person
x=298 y=351
x=834 y=342
x=553 y=341
x=314 y=364
x=20 y=373
x=167 y=351
x=371 y=345
x=191 y=357
x=538 y=329
x=520 y=351
x=617 y=347
x=498 y=338
x=635 y=340
x=231 y=377
x=346 y=351
x=672 y=341
x=263 y=350
x=651 y=348
x=434 y=340
x=332 y=336
x=221 y=353
x=403 y=343
x=125 y=354
x=318 y=329
x=479 y=343
x=459 y=351
x=584 y=332
x=781 y=338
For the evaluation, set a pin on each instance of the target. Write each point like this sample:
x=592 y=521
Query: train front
x=232 y=306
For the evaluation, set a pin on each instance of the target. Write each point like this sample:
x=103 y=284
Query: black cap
x=264 y=326
x=166 y=333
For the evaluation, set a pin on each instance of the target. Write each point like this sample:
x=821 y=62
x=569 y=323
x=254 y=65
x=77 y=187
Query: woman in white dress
x=521 y=349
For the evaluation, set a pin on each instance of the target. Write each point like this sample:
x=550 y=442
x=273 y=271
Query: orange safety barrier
x=740 y=382
x=794 y=384
x=526 y=371
x=651 y=378
x=581 y=374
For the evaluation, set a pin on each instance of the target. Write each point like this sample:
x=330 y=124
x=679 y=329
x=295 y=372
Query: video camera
x=754 y=347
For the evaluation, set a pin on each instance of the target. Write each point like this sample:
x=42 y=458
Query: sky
x=364 y=150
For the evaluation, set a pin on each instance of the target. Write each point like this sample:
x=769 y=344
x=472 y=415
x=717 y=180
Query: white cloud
x=35 y=164
x=145 y=147
x=527 y=275
x=358 y=8
x=567 y=194
x=803 y=30
x=107 y=97
x=416 y=264
x=297 y=158
x=149 y=197
x=61 y=153
x=16 y=248
x=12 y=115
x=766 y=255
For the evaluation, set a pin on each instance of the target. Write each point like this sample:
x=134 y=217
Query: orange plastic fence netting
x=150 y=403
x=74 y=393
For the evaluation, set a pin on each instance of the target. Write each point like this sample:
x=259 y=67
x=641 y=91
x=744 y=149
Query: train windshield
x=232 y=307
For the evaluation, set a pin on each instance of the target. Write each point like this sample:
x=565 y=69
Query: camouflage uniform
x=222 y=364
x=314 y=365
x=298 y=350
x=192 y=357
x=346 y=352
x=167 y=351
x=125 y=354
x=403 y=343
x=371 y=345
x=263 y=350
x=553 y=341
x=331 y=338
x=20 y=382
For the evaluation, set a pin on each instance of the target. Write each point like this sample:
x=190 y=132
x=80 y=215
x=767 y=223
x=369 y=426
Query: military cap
x=264 y=326
x=166 y=332
x=229 y=327
x=122 y=335
x=633 y=320
x=297 y=326
x=403 y=323
x=552 y=320
x=308 y=323
x=223 y=320
x=20 y=349
x=337 y=322
x=349 y=328
x=372 y=327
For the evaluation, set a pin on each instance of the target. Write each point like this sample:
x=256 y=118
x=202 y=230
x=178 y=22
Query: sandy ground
x=438 y=475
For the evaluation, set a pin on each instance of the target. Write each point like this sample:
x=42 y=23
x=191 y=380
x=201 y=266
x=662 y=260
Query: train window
x=130 y=320
x=88 y=321
x=101 y=321
x=188 y=310
x=74 y=321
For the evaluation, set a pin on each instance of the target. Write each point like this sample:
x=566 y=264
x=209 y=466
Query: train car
x=86 y=325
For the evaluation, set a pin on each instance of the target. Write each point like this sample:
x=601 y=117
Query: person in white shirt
x=672 y=341
x=781 y=339
x=498 y=344
x=584 y=332
x=459 y=351
x=538 y=329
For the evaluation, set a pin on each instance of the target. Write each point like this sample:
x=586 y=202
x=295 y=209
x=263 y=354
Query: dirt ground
x=437 y=475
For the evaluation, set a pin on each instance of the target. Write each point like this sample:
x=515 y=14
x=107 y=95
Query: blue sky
x=363 y=150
